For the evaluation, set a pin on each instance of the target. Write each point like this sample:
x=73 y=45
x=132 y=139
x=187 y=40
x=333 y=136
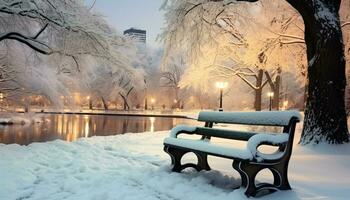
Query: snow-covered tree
x=203 y=21
x=61 y=44
x=171 y=76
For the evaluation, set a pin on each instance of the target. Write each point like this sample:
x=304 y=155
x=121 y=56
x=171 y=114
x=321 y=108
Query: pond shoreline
x=119 y=114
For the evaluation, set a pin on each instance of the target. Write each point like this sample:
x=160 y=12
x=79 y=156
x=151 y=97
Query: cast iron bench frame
x=247 y=168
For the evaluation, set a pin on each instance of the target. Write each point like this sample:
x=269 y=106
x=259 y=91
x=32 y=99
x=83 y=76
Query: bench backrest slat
x=222 y=133
x=265 y=118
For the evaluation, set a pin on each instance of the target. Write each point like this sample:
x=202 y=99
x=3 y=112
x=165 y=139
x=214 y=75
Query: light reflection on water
x=72 y=127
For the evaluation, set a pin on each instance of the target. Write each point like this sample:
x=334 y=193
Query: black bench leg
x=276 y=177
x=281 y=177
x=176 y=155
x=202 y=161
x=235 y=166
x=250 y=172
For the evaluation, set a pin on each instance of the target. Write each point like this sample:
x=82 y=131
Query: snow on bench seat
x=248 y=153
x=206 y=146
x=271 y=118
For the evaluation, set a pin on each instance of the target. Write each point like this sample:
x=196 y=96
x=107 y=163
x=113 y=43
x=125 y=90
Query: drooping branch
x=32 y=42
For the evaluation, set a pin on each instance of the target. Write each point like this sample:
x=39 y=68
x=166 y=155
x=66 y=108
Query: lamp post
x=152 y=101
x=175 y=105
x=270 y=95
x=90 y=102
x=146 y=103
x=221 y=86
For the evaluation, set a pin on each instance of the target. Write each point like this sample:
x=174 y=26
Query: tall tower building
x=136 y=34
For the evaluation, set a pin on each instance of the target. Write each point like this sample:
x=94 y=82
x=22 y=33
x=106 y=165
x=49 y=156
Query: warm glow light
x=87 y=126
x=175 y=101
x=270 y=94
x=152 y=119
x=153 y=100
x=1 y=95
x=285 y=104
x=221 y=85
x=88 y=97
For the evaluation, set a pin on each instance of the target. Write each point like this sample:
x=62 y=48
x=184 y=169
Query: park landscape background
x=62 y=63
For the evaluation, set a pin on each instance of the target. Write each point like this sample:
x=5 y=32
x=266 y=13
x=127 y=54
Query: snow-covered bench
x=247 y=161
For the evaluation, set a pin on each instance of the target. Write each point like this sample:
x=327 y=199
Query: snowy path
x=134 y=166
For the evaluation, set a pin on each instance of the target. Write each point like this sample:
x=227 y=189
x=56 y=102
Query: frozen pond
x=71 y=127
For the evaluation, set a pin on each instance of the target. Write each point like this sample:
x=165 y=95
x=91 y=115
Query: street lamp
x=90 y=102
x=153 y=101
x=270 y=95
x=221 y=86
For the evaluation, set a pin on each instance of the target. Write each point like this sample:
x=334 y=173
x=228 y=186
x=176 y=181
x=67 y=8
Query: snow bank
x=21 y=119
x=134 y=166
x=5 y=120
x=14 y=120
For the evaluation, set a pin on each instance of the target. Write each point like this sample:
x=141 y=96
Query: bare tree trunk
x=125 y=102
x=177 y=103
x=325 y=116
x=258 y=90
x=275 y=88
x=90 y=104
x=276 y=92
x=104 y=103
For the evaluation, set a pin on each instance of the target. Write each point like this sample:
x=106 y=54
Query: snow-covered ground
x=134 y=166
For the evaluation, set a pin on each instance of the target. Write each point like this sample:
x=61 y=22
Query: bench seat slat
x=265 y=118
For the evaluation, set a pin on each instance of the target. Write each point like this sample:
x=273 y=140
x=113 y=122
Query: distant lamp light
x=221 y=85
x=88 y=97
x=153 y=100
x=270 y=94
x=285 y=104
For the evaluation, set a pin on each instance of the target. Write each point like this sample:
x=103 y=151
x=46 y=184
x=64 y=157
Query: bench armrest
x=182 y=129
x=267 y=139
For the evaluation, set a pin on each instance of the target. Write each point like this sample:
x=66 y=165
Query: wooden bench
x=247 y=161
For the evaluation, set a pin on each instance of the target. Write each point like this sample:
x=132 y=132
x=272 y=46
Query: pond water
x=72 y=127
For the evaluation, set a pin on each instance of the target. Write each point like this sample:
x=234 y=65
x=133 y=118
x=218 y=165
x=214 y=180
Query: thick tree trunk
x=257 y=101
x=325 y=117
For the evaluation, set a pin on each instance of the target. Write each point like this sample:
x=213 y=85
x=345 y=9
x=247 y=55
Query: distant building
x=136 y=34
